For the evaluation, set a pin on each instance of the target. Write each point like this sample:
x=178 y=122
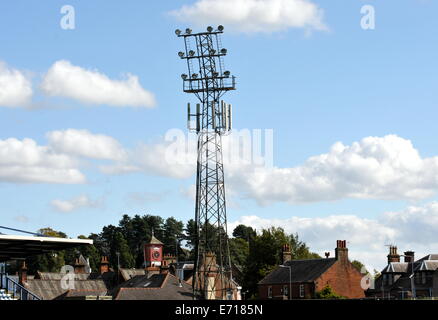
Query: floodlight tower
x=211 y=119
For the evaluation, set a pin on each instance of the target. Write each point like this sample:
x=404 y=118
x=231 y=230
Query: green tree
x=328 y=293
x=359 y=266
x=48 y=262
x=244 y=232
x=120 y=246
x=173 y=233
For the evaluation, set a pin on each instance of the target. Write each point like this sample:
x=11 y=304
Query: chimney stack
x=393 y=256
x=341 y=251
x=22 y=277
x=327 y=255
x=104 y=265
x=79 y=266
x=409 y=256
x=287 y=255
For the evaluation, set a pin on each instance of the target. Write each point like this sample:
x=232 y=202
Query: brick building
x=407 y=278
x=306 y=277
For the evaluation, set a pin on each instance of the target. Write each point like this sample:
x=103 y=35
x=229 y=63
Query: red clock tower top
x=153 y=252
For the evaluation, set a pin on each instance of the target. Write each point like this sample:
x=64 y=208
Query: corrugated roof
x=302 y=271
x=52 y=289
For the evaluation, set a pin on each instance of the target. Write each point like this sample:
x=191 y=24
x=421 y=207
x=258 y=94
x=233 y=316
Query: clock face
x=156 y=254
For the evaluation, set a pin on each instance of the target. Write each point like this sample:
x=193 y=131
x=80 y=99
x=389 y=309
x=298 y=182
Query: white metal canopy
x=14 y=247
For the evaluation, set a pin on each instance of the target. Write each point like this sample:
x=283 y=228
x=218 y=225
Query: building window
x=385 y=279
x=286 y=290
x=301 y=290
x=269 y=292
x=390 y=279
x=423 y=277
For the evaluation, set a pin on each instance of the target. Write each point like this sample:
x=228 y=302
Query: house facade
x=406 y=279
x=302 y=279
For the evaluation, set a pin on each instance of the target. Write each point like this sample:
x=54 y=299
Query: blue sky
x=312 y=87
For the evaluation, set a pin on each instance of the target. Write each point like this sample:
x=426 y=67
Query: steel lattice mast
x=209 y=81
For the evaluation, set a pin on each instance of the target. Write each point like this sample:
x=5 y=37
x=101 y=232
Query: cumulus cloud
x=254 y=15
x=23 y=161
x=367 y=238
x=80 y=202
x=15 y=87
x=92 y=87
x=386 y=167
x=86 y=144
x=167 y=157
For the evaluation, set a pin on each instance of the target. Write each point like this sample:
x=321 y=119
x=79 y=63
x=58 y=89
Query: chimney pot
x=409 y=256
x=287 y=255
x=341 y=251
x=393 y=256
x=104 y=265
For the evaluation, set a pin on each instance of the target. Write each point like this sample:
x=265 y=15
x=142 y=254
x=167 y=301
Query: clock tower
x=153 y=253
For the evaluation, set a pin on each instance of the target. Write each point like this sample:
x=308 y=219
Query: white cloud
x=411 y=229
x=90 y=86
x=15 y=87
x=82 y=201
x=86 y=144
x=23 y=161
x=159 y=158
x=253 y=15
x=386 y=167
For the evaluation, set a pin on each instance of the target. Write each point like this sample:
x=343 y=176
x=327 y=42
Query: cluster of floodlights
x=189 y=31
x=192 y=53
x=195 y=75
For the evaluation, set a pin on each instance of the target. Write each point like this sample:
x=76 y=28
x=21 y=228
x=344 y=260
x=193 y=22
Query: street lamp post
x=290 y=279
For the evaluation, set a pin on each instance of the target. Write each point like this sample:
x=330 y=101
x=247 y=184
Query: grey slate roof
x=430 y=257
x=157 y=287
x=396 y=267
x=302 y=271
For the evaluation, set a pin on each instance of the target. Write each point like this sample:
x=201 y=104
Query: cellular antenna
x=208 y=80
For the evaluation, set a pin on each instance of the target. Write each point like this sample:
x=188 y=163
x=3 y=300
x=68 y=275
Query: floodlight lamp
x=191 y=53
x=215 y=74
x=188 y=31
x=177 y=32
x=181 y=54
x=212 y=51
x=227 y=73
x=220 y=28
x=194 y=76
x=224 y=51
x=184 y=76
x=209 y=28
